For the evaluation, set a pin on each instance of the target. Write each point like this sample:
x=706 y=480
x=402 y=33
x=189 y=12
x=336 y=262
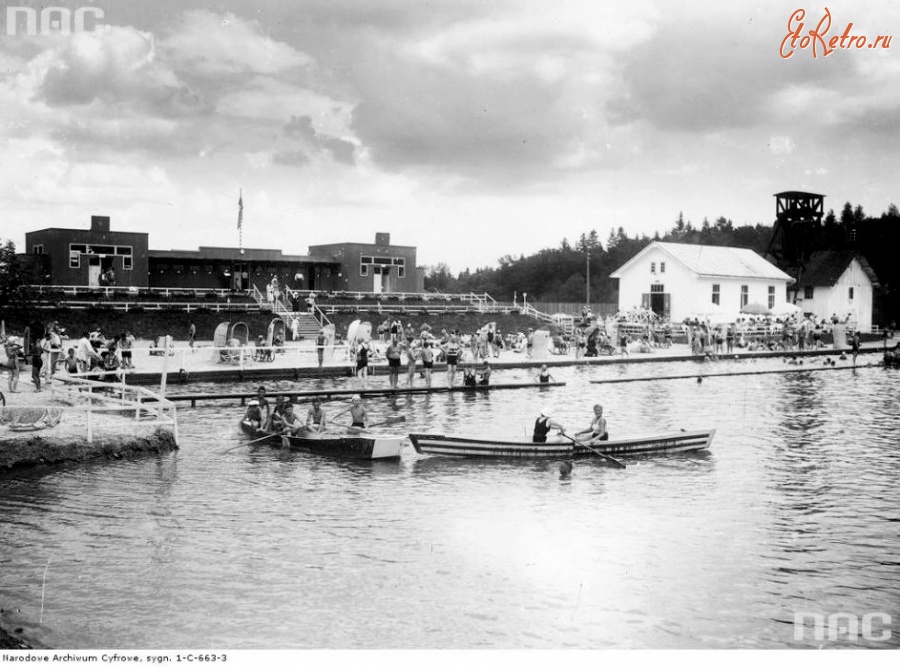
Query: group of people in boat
x=282 y=418
x=595 y=433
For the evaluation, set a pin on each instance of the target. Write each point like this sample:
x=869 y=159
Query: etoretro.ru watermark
x=28 y=21
x=842 y=626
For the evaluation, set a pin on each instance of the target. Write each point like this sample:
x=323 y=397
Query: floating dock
x=729 y=373
x=328 y=395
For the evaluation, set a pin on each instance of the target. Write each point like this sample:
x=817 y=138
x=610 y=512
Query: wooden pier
x=329 y=395
x=701 y=376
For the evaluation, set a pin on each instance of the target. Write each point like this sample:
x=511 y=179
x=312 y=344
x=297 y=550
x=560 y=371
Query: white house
x=681 y=280
x=838 y=283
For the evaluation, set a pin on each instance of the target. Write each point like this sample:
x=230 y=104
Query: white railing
x=99 y=397
x=111 y=290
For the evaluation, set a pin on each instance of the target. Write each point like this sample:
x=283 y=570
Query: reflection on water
x=795 y=509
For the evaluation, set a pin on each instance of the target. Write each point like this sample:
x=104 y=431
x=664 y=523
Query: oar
x=255 y=440
x=612 y=460
x=390 y=420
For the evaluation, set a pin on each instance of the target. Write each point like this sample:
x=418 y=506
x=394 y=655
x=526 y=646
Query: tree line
x=559 y=274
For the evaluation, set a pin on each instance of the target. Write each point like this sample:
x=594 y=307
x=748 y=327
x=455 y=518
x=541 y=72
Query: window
x=745 y=295
x=401 y=272
x=657 y=288
x=652 y=267
x=662 y=267
x=74 y=260
x=400 y=262
x=808 y=292
x=850 y=294
x=363 y=270
x=37 y=249
x=77 y=248
x=126 y=262
x=715 y=293
x=366 y=259
x=771 y=296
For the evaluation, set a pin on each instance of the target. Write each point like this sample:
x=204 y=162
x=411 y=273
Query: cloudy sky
x=469 y=128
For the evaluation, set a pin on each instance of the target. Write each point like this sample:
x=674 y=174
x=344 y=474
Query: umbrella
x=755 y=308
x=786 y=309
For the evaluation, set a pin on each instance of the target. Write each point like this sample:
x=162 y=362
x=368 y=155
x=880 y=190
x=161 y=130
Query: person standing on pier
x=362 y=360
x=192 y=333
x=854 y=346
x=320 y=345
x=412 y=353
x=453 y=351
x=427 y=361
x=393 y=352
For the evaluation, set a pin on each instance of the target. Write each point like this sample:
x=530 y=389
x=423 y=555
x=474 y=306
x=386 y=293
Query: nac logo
x=52 y=20
x=874 y=626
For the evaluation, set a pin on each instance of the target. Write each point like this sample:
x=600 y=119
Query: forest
x=558 y=274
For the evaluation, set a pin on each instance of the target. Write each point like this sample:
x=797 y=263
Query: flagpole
x=240 y=222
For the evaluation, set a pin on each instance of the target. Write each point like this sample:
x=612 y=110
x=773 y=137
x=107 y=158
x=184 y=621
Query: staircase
x=309 y=324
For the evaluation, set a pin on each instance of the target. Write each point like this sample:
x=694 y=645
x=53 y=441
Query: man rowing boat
x=357 y=412
x=544 y=424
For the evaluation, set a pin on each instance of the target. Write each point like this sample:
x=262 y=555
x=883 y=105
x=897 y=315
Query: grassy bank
x=150 y=324
x=50 y=450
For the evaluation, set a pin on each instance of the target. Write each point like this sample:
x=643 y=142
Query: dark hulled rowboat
x=437 y=444
x=341 y=446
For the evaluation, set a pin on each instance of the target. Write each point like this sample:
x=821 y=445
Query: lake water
x=794 y=509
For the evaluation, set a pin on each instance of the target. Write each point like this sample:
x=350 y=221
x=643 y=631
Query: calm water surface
x=794 y=509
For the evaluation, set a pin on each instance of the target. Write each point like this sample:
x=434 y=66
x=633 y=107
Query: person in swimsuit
x=357 y=412
x=253 y=416
x=412 y=353
x=291 y=422
x=854 y=346
x=469 y=378
x=544 y=376
x=597 y=430
x=392 y=352
x=543 y=425
x=362 y=360
x=427 y=362
x=453 y=352
x=315 y=417
x=275 y=423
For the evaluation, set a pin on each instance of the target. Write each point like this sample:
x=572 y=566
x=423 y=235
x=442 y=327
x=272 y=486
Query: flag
x=240 y=209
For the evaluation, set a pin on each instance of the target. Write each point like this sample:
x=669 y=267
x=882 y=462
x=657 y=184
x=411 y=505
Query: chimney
x=382 y=239
x=100 y=224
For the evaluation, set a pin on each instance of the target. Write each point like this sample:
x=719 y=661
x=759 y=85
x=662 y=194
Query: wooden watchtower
x=798 y=229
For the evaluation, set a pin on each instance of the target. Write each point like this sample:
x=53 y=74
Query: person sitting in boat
x=544 y=424
x=544 y=376
x=469 y=378
x=264 y=408
x=315 y=417
x=291 y=421
x=274 y=422
x=597 y=430
x=253 y=416
x=357 y=412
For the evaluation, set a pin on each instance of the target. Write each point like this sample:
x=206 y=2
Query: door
x=94 y=272
x=376 y=280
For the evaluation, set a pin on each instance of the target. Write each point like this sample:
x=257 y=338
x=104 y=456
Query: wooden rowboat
x=681 y=441
x=341 y=446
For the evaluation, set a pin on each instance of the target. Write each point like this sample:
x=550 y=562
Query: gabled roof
x=725 y=261
x=825 y=268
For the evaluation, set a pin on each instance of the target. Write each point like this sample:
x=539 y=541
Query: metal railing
x=112 y=290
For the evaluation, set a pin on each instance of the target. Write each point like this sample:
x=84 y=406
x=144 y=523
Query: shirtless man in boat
x=291 y=422
x=357 y=412
x=315 y=418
